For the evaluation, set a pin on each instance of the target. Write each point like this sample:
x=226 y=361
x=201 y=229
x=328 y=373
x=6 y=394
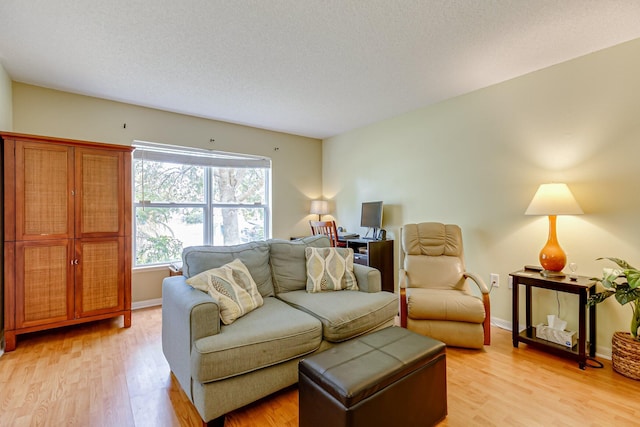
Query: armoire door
x=44 y=191
x=100 y=276
x=99 y=185
x=44 y=271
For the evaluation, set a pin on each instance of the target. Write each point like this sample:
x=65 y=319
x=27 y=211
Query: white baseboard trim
x=146 y=303
x=603 y=352
x=501 y=323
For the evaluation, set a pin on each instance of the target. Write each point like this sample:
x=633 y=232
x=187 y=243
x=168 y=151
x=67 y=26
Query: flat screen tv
x=371 y=216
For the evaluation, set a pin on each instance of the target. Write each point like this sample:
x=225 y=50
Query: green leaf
x=608 y=279
x=599 y=297
x=625 y=295
x=621 y=263
x=635 y=320
x=633 y=277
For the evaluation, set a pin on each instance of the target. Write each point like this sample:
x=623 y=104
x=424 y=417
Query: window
x=185 y=197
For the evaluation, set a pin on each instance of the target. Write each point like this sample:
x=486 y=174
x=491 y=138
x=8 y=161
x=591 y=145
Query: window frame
x=208 y=159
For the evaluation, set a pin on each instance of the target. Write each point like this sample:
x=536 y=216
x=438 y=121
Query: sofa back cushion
x=254 y=255
x=288 y=262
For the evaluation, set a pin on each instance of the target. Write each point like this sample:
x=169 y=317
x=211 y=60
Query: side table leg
x=582 y=330
x=592 y=328
x=527 y=302
x=515 y=323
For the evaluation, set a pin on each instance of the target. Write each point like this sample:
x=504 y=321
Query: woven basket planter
x=625 y=355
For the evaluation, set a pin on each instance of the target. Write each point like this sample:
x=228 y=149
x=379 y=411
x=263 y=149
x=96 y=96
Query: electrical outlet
x=495 y=280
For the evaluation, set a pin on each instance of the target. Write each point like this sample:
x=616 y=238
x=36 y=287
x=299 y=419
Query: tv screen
x=371 y=215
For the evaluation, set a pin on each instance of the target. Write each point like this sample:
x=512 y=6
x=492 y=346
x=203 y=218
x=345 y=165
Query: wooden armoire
x=66 y=233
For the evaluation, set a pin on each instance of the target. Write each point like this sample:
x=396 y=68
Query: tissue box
x=565 y=338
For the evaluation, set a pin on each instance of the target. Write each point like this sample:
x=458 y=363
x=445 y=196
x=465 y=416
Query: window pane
x=239 y=186
x=167 y=182
x=232 y=226
x=162 y=233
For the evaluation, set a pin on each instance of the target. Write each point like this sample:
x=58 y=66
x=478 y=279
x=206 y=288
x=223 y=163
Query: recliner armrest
x=403 y=284
x=478 y=281
x=486 y=302
x=403 y=279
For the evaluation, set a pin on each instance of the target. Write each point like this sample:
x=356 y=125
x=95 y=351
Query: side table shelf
x=584 y=287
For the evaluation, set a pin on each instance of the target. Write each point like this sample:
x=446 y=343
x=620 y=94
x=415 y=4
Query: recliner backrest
x=433 y=255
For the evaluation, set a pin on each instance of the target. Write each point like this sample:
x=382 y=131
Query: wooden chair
x=329 y=229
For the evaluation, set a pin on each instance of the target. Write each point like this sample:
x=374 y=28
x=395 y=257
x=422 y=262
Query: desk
x=583 y=287
x=377 y=254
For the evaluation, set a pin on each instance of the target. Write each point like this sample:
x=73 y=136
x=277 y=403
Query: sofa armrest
x=187 y=315
x=368 y=278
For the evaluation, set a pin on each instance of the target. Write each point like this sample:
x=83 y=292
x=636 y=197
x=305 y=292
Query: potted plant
x=624 y=284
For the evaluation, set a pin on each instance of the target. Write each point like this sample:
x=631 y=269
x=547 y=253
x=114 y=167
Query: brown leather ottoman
x=392 y=377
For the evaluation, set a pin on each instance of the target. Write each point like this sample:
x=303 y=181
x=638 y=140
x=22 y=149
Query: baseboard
x=501 y=323
x=146 y=303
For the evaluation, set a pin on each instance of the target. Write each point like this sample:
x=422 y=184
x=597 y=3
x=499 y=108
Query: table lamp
x=319 y=207
x=552 y=200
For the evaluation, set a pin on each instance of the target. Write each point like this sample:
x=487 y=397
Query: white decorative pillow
x=232 y=286
x=330 y=269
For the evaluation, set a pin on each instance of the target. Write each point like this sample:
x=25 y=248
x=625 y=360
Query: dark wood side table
x=583 y=287
x=175 y=269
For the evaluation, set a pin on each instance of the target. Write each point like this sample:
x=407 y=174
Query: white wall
x=296 y=161
x=477 y=160
x=6 y=110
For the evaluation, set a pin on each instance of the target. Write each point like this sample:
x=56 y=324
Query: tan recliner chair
x=435 y=298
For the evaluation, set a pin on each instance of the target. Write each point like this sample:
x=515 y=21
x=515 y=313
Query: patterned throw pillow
x=232 y=286
x=330 y=269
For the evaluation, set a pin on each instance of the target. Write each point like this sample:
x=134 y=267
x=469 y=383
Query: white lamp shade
x=319 y=207
x=553 y=199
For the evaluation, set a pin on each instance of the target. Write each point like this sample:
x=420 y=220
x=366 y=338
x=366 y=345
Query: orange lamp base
x=552 y=257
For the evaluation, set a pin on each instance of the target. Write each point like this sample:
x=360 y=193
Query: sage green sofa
x=224 y=367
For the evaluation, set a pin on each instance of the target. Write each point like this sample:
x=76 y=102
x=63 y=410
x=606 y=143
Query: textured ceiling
x=308 y=67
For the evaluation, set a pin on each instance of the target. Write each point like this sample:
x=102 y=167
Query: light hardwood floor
x=101 y=374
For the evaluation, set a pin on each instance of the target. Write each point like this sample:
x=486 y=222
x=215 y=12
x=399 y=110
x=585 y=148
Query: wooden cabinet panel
x=43 y=271
x=67 y=225
x=100 y=283
x=43 y=191
x=99 y=201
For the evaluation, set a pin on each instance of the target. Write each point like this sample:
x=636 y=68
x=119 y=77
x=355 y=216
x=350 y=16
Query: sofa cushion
x=330 y=269
x=232 y=287
x=345 y=314
x=269 y=335
x=288 y=263
x=255 y=255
